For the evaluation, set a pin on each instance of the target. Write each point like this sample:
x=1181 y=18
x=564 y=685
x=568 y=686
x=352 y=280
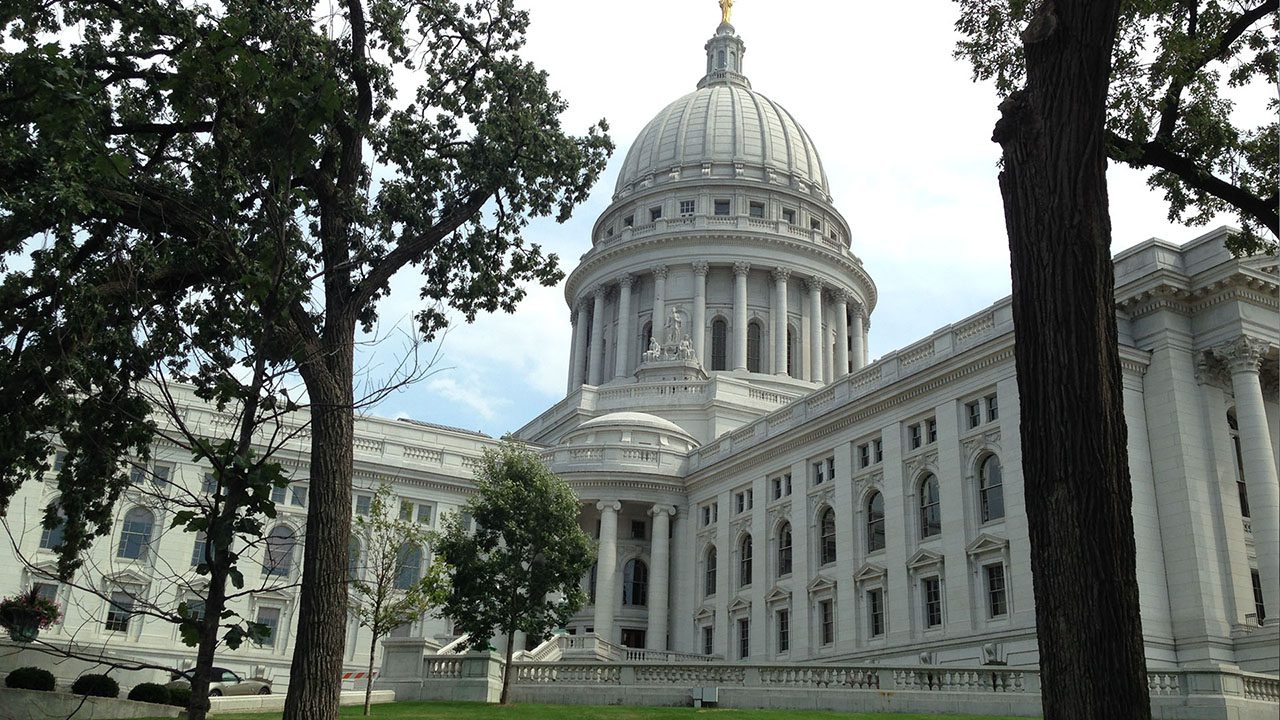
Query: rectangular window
x=708 y=640
x=864 y=455
x=993 y=408
x=827 y=618
x=424 y=514
x=932 y=591
x=756 y=210
x=406 y=510
x=268 y=617
x=824 y=470
x=789 y=216
x=877 y=450
x=777 y=487
x=784 y=630
x=655 y=213
x=160 y=474
x=723 y=208
x=628 y=221
x=744 y=639
x=781 y=486
x=638 y=528
x=1259 y=606
x=740 y=502
x=364 y=503
x=59 y=459
x=931 y=431
x=688 y=207
x=815 y=224
x=48 y=591
x=119 y=610
x=997 y=601
x=875 y=612
x=298 y=496
x=278 y=494
x=914 y=438
x=709 y=514
x=973 y=413
x=137 y=474
x=197 y=550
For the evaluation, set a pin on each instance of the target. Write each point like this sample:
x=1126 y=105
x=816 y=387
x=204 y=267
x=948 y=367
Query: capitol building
x=761 y=493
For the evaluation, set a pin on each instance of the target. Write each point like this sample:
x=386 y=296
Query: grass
x=478 y=711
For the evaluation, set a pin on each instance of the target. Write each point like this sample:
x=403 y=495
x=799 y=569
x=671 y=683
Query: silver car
x=225 y=682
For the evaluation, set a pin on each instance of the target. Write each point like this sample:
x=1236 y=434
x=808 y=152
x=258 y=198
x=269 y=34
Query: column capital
x=780 y=274
x=610 y=505
x=701 y=267
x=599 y=290
x=657 y=510
x=741 y=268
x=659 y=271
x=840 y=296
x=813 y=283
x=626 y=280
x=1244 y=354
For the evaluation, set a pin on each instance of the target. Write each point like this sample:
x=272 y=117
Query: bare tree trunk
x=315 y=675
x=1074 y=457
x=506 y=669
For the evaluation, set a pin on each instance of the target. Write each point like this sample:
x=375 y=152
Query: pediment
x=777 y=595
x=820 y=583
x=44 y=570
x=127 y=577
x=924 y=558
x=704 y=613
x=985 y=543
x=740 y=605
x=869 y=572
x=272 y=596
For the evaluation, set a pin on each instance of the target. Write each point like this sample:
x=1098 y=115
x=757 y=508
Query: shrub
x=180 y=696
x=150 y=692
x=96 y=685
x=30 y=678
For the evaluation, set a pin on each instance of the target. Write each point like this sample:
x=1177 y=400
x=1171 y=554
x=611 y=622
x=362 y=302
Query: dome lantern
x=724 y=59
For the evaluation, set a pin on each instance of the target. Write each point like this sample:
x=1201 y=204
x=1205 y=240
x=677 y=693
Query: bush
x=96 y=685
x=150 y=692
x=30 y=678
x=180 y=696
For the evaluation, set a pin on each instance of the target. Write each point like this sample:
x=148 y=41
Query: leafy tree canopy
x=1170 y=108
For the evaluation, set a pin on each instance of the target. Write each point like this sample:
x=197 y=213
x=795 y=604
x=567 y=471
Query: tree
x=149 y=151
x=1168 y=108
x=520 y=567
x=388 y=587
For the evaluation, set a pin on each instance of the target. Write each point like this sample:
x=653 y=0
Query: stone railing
x=1261 y=687
x=444 y=667
x=591 y=648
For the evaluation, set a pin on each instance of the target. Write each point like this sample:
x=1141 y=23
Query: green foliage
x=96 y=685
x=151 y=693
x=179 y=696
x=28 y=607
x=525 y=547
x=388 y=585
x=1172 y=107
x=30 y=678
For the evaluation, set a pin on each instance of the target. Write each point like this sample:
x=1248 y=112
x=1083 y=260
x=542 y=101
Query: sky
x=902 y=130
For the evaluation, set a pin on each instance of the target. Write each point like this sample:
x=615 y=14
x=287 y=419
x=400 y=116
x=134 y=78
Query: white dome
x=633 y=419
x=724 y=130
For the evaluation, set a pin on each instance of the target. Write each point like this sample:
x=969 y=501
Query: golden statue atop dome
x=726 y=10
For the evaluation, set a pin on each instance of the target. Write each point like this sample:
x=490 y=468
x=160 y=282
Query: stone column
x=596 y=361
x=659 y=573
x=859 y=358
x=780 y=276
x=1243 y=357
x=582 y=331
x=607 y=569
x=815 y=329
x=842 y=334
x=622 y=361
x=659 y=301
x=699 y=322
x=740 y=271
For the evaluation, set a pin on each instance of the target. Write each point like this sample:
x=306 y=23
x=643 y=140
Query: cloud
x=481 y=403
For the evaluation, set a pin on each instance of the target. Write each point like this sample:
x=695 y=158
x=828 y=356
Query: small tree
x=524 y=551
x=387 y=585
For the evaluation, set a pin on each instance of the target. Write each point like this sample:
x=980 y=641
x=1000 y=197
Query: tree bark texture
x=1074 y=458
x=506 y=667
x=315 y=676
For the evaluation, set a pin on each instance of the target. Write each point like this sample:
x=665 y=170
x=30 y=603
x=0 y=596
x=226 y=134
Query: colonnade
x=608 y=582
x=587 y=364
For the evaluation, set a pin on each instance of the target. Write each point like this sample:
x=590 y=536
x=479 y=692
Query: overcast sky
x=903 y=133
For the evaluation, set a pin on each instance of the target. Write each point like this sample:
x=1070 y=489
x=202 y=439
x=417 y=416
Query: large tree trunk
x=315 y=676
x=215 y=601
x=506 y=668
x=1074 y=459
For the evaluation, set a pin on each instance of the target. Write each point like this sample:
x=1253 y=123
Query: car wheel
x=215 y=693
x=265 y=691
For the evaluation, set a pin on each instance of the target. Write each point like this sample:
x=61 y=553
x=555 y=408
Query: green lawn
x=477 y=711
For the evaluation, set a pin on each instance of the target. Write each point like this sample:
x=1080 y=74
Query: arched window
x=709 y=573
x=930 y=506
x=792 y=350
x=827 y=541
x=646 y=334
x=720 y=59
x=719 y=344
x=991 y=489
x=744 y=561
x=753 y=347
x=635 y=583
x=784 y=549
x=51 y=537
x=135 y=534
x=353 y=560
x=279 y=558
x=408 y=567
x=875 y=522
